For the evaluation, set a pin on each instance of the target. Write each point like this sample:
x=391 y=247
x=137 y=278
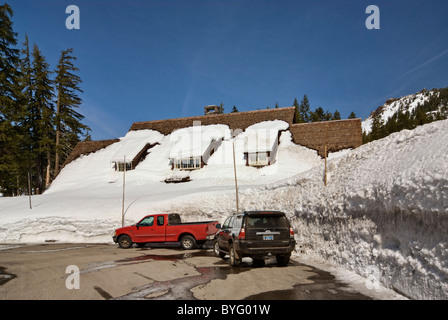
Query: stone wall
x=87 y=147
x=237 y=120
x=337 y=135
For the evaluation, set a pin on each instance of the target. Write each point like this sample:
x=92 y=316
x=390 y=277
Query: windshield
x=267 y=222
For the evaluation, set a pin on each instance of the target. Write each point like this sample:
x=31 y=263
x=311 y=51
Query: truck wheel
x=234 y=261
x=282 y=259
x=217 y=251
x=188 y=242
x=125 y=242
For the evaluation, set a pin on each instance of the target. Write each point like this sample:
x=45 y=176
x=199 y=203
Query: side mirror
x=218 y=226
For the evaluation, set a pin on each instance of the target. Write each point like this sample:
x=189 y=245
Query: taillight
x=291 y=233
x=242 y=234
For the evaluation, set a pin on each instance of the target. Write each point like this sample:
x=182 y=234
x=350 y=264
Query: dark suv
x=255 y=234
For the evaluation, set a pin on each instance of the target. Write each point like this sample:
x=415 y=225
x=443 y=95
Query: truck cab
x=165 y=228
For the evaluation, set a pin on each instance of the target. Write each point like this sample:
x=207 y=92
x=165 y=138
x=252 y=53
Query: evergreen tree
x=318 y=115
x=297 y=118
x=29 y=119
x=221 y=108
x=69 y=128
x=352 y=115
x=9 y=106
x=234 y=109
x=336 y=115
x=42 y=102
x=304 y=109
x=377 y=129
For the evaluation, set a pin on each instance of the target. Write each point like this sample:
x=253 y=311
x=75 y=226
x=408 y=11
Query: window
x=187 y=163
x=267 y=222
x=120 y=166
x=160 y=220
x=237 y=222
x=258 y=159
x=146 y=222
x=174 y=218
x=226 y=223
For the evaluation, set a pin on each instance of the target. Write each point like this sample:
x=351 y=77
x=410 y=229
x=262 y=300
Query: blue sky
x=149 y=60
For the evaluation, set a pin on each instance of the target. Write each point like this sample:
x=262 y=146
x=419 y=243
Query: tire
x=234 y=260
x=217 y=251
x=283 y=259
x=125 y=242
x=188 y=242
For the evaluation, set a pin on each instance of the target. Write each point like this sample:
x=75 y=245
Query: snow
x=134 y=142
x=262 y=137
x=383 y=215
x=194 y=141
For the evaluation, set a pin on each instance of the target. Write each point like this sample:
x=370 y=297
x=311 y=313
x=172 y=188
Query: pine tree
x=297 y=117
x=234 y=109
x=352 y=115
x=221 y=108
x=69 y=128
x=9 y=107
x=304 y=109
x=318 y=115
x=336 y=115
x=42 y=88
x=377 y=128
x=28 y=119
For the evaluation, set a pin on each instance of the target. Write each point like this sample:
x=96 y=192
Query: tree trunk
x=58 y=129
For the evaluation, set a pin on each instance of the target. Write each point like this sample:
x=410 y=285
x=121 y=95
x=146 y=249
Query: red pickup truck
x=166 y=228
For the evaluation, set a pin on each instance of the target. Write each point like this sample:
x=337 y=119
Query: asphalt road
x=100 y=271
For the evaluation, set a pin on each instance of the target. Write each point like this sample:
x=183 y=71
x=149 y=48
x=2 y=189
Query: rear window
x=267 y=222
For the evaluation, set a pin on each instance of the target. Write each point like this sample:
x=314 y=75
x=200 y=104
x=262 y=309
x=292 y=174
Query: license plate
x=271 y=237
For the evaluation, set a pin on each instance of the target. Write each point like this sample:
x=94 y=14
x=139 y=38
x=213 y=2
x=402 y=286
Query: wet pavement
x=157 y=273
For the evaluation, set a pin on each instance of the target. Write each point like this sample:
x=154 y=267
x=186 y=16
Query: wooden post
x=124 y=184
x=29 y=189
x=325 y=178
x=236 y=183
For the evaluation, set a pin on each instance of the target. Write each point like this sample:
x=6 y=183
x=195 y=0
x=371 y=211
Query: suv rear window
x=267 y=222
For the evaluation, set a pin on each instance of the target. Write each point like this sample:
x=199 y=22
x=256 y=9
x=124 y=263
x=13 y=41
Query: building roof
x=134 y=142
x=263 y=136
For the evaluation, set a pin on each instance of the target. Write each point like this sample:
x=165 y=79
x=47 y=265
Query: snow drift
x=383 y=213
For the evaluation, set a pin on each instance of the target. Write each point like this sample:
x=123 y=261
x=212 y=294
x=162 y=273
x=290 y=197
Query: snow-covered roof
x=262 y=137
x=134 y=142
x=194 y=141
